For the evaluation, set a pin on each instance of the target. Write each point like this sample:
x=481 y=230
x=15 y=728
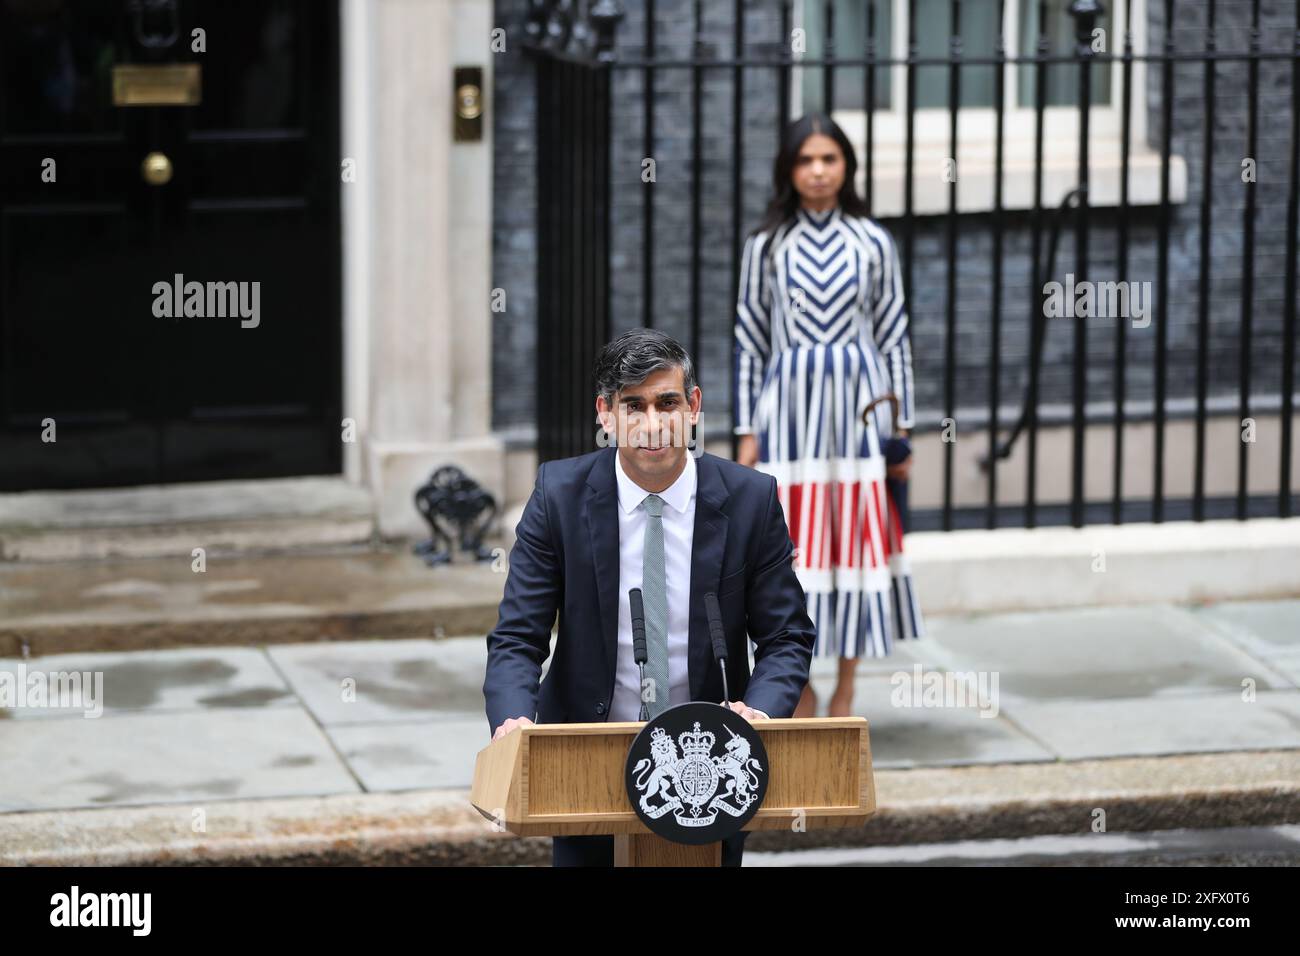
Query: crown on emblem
x=658 y=735
x=697 y=741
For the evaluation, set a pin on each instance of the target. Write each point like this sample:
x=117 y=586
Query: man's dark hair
x=636 y=354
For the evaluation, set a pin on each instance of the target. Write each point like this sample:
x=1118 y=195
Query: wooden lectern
x=568 y=780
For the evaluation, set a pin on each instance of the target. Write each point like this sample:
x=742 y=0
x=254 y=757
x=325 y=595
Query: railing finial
x=572 y=28
x=1085 y=13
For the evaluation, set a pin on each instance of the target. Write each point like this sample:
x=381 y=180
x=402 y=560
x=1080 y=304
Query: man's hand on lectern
x=749 y=713
x=510 y=724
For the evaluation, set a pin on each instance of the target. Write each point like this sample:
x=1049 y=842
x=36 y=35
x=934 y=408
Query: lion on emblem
x=664 y=753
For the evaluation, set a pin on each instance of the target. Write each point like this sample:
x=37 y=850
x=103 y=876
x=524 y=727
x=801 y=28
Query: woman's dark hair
x=785 y=199
x=632 y=357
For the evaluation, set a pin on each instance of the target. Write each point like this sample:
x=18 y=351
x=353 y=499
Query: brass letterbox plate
x=157 y=84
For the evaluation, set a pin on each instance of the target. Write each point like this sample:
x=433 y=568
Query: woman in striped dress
x=821 y=333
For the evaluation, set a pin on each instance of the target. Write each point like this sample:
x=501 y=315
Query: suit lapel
x=708 y=544
x=600 y=512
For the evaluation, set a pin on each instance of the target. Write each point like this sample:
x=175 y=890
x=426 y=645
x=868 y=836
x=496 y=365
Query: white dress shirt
x=679 y=533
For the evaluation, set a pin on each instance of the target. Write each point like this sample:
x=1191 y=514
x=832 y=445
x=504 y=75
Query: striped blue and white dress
x=821 y=331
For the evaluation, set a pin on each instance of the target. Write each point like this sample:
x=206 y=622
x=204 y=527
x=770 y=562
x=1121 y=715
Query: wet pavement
x=1227 y=846
x=240 y=600
x=222 y=723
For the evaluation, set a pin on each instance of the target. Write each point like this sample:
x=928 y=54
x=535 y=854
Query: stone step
x=440 y=827
x=241 y=599
x=276 y=515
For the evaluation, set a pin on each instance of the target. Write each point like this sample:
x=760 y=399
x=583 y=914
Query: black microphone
x=638 y=626
x=638 y=641
x=718 y=638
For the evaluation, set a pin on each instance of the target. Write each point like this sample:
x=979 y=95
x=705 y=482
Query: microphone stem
x=645 y=711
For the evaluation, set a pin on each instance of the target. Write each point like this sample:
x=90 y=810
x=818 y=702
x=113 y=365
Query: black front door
x=169 y=271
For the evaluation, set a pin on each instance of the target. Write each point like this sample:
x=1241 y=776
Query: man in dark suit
x=647 y=513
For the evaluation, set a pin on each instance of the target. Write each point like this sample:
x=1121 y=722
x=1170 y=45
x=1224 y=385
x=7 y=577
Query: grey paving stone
x=1098 y=654
x=156 y=681
x=166 y=758
x=1269 y=630
x=903 y=656
x=413 y=756
x=904 y=735
x=1169 y=725
x=394 y=680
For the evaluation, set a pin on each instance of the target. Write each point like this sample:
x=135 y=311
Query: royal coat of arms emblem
x=685 y=790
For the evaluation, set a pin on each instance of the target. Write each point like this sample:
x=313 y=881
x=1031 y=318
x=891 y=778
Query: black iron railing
x=574 y=228
x=573 y=238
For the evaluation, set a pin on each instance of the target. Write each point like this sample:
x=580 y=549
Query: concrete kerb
x=1031 y=569
x=439 y=827
x=1018 y=569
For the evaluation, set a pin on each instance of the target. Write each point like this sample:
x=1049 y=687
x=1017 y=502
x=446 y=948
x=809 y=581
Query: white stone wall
x=417 y=247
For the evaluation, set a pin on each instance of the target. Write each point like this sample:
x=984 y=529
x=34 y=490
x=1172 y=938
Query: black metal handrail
x=1038 y=317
